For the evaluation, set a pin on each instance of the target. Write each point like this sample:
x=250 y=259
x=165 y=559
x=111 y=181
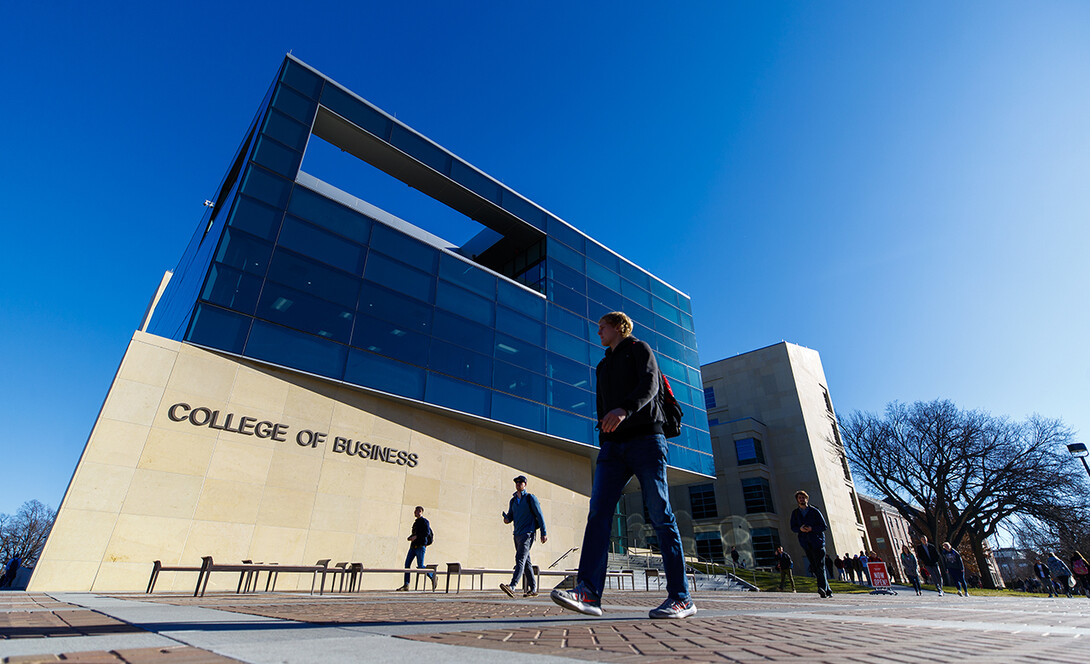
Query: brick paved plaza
x=488 y=627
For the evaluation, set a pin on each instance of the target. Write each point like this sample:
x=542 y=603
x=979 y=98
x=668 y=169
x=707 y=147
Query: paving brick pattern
x=70 y=622
x=176 y=655
x=362 y=611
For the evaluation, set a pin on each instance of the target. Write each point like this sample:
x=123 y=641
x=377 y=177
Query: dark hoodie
x=628 y=378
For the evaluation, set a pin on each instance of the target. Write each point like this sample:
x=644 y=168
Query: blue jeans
x=523 y=567
x=418 y=555
x=644 y=457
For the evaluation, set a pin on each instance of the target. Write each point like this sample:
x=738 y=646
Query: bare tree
x=23 y=534
x=959 y=475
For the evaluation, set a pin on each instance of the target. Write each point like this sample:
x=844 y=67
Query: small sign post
x=879 y=579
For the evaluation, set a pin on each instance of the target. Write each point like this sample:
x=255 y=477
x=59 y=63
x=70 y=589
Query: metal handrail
x=566 y=554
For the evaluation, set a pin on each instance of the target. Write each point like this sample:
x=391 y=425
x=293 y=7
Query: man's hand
x=544 y=538
x=411 y=537
x=806 y=529
x=613 y=419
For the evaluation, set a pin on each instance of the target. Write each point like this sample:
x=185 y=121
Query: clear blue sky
x=904 y=188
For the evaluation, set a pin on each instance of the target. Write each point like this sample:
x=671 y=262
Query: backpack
x=1079 y=567
x=430 y=538
x=671 y=409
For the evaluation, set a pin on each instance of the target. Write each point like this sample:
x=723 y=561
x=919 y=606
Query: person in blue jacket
x=810 y=525
x=525 y=512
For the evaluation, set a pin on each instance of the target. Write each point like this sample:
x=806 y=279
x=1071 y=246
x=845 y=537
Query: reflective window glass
x=685 y=304
x=331 y=249
x=642 y=318
x=563 y=274
x=570 y=347
x=286 y=130
x=520 y=326
x=468 y=276
x=609 y=299
x=666 y=310
x=523 y=209
x=294 y=104
x=319 y=210
x=385 y=304
x=290 y=308
x=277 y=157
x=475 y=181
x=217 y=328
x=765 y=542
x=570 y=257
x=566 y=234
x=391 y=340
x=302 y=79
x=660 y=289
x=520 y=352
x=404 y=248
x=636 y=294
x=231 y=289
x=689 y=356
x=635 y=275
x=460 y=363
x=310 y=277
x=475 y=307
x=462 y=332
x=674 y=370
x=256 y=218
x=693 y=376
x=702 y=502
x=604 y=275
x=457 y=395
x=400 y=277
x=244 y=252
x=382 y=373
x=265 y=186
x=518 y=412
x=569 y=371
x=758 y=495
x=356 y=111
x=572 y=398
x=296 y=350
x=562 y=319
x=520 y=299
x=571 y=427
x=420 y=148
x=567 y=298
x=669 y=348
x=518 y=381
x=687 y=321
x=749 y=451
x=604 y=256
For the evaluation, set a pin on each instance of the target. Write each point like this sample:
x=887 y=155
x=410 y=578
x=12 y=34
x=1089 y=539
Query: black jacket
x=421 y=528
x=628 y=378
x=928 y=555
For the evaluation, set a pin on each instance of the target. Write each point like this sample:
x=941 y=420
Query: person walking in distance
x=418 y=541
x=810 y=525
x=1060 y=572
x=784 y=564
x=911 y=568
x=928 y=556
x=1044 y=575
x=955 y=568
x=525 y=512
x=734 y=556
x=630 y=418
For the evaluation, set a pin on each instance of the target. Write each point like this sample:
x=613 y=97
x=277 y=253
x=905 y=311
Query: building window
x=702 y=501
x=709 y=547
x=749 y=450
x=765 y=541
x=757 y=494
x=713 y=422
x=828 y=401
x=709 y=398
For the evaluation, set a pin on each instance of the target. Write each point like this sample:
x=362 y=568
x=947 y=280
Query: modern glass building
x=291 y=271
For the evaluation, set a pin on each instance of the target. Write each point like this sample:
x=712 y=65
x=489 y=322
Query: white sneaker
x=674 y=609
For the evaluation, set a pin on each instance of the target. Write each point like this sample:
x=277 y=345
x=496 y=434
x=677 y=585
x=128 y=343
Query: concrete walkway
x=489 y=627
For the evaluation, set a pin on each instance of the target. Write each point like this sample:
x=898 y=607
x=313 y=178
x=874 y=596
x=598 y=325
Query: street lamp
x=1079 y=450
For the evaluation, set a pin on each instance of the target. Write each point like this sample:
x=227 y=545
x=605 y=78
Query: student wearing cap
x=525 y=512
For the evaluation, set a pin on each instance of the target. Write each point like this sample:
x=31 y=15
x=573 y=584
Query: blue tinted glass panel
x=391 y=340
x=265 y=186
x=693 y=376
x=400 y=277
x=660 y=289
x=460 y=363
x=423 y=150
x=383 y=303
x=666 y=310
x=570 y=347
x=354 y=110
x=475 y=307
x=518 y=381
x=572 y=427
x=562 y=274
x=520 y=352
x=329 y=215
x=673 y=370
x=602 y=255
x=669 y=348
x=642 y=318
x=256 y=218
x=384 y=374
x=331 y=249
x=568 y=298
x=313 y=278
x=457 y=395
x=571 y=372
x=302 y=79
x=635 y=275
x=522 y=300
x=216 y=328
x=636 y=294
x=687 y=321
x=475 y=181
x=566 y=255
x=296 y=350
x=690 y=357
x=405 y=249
x=468 y=276
x=520 y=326
x=603 y=275
x=609 y=299
x=518 y=412
x=523 y=209
x=232 y=289
x=294 y=104
x=685 y=304
x=286 y=130
x=244 y=252
x=462 y=332
x=563 y=319
x=276 y=157
x=571 y=398
x=300 y=311
x=566 y=234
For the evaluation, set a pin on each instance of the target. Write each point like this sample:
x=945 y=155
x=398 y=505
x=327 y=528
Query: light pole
x=1079 y=450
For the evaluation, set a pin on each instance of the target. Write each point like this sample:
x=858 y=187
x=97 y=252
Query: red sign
x=879 y=577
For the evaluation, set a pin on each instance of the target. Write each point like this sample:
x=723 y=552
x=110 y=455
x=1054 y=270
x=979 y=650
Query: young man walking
x=631 y=443
x=810 y=525
x=928 y=556
x=418 y=542
x=784 y=564
x=525 y=512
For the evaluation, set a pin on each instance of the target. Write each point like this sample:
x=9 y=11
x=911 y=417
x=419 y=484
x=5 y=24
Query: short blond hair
x=620 y=321
x=802 y=493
